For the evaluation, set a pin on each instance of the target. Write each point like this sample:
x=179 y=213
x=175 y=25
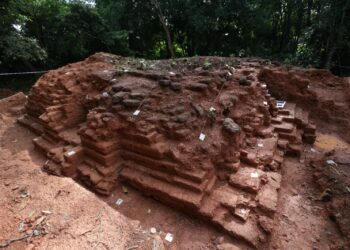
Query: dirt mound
x=324 y=95
x=330 y=174
x=209 y=142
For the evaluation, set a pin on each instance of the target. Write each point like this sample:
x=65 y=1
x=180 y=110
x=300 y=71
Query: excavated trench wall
x=325 y=96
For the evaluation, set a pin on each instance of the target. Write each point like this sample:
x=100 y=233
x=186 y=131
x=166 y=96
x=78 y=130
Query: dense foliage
x=49 y=33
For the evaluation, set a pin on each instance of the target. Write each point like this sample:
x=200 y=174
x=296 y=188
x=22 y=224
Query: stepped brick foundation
x=101 y=124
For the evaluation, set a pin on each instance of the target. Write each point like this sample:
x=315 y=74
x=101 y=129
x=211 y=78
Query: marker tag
x=254 y=175
x=169 y=237
x=172 y=73
x=280 y=104
x=212 y=109
x=202 y=137
x=137 y=112
x=119 y=202
x=331 y=162
x=260 y=145
x=243 y=211
x=265 y=103
x=70 y=153
x=263 y=86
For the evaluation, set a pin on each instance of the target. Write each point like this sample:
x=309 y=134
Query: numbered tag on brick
x=137 y=112
x=70 y=153
x=119 y=202
x=202 y=137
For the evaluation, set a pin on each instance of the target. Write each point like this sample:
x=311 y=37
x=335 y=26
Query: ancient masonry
x=209 y=143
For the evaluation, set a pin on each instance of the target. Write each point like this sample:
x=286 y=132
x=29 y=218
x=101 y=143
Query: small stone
x=230 y=126
x=244 y=81
x=153 y=230
x=164 y=82
x=137 y=95
x=197 y=86
x=131 y=103
x=118 y=97
x=176 y=86
x=117 y=88
x=198 y=109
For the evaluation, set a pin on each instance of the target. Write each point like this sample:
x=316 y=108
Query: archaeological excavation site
x=191 y=153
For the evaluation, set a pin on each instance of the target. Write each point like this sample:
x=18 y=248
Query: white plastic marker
x=254 y=175
x=212 y=109
x=119 y=202
x=169 y=237
x=280 y=104
x=202 y=137
x=263 y=86
x=243 y=211
x=265 y=103
x=331 y=162
x=70 y=153
x=260 y=145
x=137 y=112
x=105 y=94
x=172 y=73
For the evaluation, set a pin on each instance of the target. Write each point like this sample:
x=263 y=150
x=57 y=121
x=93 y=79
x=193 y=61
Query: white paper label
x=280 y=104
x=331 y=162
x=169 y=237
x=137 y=112
x=212 y=109
x=243 y=211
x=265 y=103
x=70 y=153
x=254 y=175
x=119 y=202
x=202 y=137
x=260 y=145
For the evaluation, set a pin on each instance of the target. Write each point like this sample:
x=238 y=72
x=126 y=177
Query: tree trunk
x=338 y=36
x=165 y=27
